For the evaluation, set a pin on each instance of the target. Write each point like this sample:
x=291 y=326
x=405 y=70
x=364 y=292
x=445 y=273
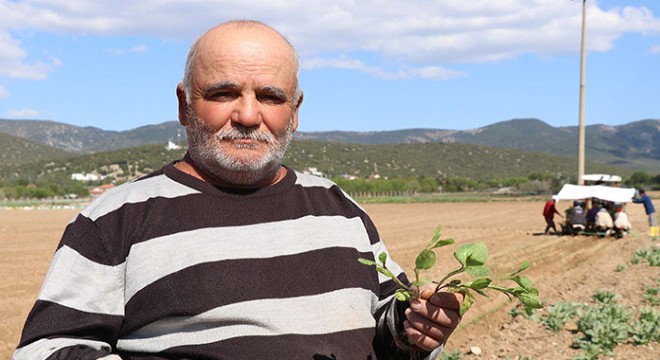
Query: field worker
x=578 y=219
x=549 y=211
x=591 y=214
x=621 y=222
x=643 y=198
x=604 y=222
x=227 y=253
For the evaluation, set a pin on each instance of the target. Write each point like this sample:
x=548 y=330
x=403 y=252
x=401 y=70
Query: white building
x=86 y=177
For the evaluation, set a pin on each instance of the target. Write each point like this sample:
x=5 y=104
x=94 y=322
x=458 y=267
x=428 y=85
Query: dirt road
x=563 y=268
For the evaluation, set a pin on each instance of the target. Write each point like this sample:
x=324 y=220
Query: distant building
x=172 y=146
x=100 y=189
x=86 y=177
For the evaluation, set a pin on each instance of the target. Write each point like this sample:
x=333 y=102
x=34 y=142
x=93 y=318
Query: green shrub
x=559 y=314
x=647 y=328
x=603 y=326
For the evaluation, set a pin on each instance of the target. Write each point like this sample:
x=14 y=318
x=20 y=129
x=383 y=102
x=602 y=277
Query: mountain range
x=634 y=146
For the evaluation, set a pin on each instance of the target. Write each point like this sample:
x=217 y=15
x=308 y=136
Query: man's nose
x=247 y=112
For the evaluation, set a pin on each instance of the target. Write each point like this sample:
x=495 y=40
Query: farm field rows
x=563 y=268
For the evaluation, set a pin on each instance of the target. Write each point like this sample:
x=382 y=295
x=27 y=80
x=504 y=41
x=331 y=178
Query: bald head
x=255 y=37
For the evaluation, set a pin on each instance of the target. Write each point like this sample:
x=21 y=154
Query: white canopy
x=607 y=193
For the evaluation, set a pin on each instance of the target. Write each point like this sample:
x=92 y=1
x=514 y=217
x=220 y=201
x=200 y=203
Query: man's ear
x=294 y=126
x=183 y=105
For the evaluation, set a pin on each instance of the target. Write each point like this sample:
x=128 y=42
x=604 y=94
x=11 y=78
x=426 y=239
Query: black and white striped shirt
x=172 y=267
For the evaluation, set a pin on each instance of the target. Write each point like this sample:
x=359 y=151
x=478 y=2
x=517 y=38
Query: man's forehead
x=245 y=52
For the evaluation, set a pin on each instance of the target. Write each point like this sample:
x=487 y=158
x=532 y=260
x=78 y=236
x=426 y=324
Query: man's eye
x=273 y=99
x=222 y=96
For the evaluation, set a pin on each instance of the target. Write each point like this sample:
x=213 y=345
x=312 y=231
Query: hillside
x=89 y=139
x=432 y=160
x=16 y=151
x=635 y=146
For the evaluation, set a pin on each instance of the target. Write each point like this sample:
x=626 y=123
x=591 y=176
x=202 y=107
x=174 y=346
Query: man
x=591 y=214
x=578 y=220
x=228 y=253
x=643 y=198
x=549 y=211
x=603 y=222
x=621 y=222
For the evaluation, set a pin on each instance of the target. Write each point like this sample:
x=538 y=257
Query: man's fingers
x=445 y=316
x=427 y=326
x=420 y=339
x=447 y=300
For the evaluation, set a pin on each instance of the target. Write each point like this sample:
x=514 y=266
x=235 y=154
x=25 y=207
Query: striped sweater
x=171 y=267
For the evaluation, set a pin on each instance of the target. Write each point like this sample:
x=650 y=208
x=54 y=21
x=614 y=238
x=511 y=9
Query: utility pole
x=581 y=141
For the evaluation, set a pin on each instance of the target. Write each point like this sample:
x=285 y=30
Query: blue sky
x=367 y=65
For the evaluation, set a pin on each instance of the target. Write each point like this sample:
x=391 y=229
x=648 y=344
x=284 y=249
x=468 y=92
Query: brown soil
x=564 y=269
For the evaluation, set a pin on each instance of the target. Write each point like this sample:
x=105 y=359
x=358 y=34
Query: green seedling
x=559 y=314
x=472 y=260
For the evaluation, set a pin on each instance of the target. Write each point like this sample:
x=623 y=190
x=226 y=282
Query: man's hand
x=432 y=317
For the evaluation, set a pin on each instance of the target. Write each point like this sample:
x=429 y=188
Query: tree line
x=58 y=186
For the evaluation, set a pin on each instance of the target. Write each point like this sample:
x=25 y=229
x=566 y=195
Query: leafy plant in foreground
x=647 y=328
x=605 y=297
x=472 y=259
x=525 y=311
x=651 y=295
x=454 y=355
x=559 y=314
x=604 y=327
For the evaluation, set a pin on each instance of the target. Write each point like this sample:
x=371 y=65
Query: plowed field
x=564 y=268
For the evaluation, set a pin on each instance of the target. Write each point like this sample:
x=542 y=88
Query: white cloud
x=4 y=93
x=655 y=49
x=396 y=34
x=429 y=72
x=13 y=61
x=132 y=50
x=22 y=113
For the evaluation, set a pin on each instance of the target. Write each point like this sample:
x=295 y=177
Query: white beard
x=205 y=150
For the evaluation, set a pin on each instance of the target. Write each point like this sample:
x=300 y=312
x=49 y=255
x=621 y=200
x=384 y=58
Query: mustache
x=244 y=134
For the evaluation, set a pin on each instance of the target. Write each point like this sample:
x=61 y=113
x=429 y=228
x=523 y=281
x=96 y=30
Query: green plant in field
x=620 y=268
x=638 y=256
x=454 y=355
x=590 y=352
x=651 y=256
x=605 y=297
x=654 y=257
x=603 y=326
x=651 y=295
x=647 y=328
x=525 y=311
x=472 y=260
x=559 y=314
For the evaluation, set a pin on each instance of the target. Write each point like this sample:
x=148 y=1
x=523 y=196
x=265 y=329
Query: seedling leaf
x=382 y=258
x=385 y=272
x=530 y=300
x=425 y=260
x=441 y=243
x=402 y=295
x=468 y=300
x=367 y=262
x=480 y=283
x=477 y=271
x=473 y=254
x=523 y=281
